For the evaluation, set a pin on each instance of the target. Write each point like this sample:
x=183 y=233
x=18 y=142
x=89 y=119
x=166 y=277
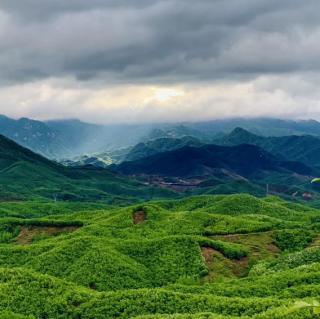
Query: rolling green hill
x=25 y=175
x=201 y=257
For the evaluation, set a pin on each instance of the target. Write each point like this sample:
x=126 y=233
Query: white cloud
x=266 y=96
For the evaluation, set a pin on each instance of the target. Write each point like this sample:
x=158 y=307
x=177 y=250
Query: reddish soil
x=274 y=248
x=241 y=266
x=28 y=234
x=220 y=266
x=139 y=217
x=207 y=254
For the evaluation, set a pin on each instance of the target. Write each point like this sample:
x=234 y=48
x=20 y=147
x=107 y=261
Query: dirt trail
x=242 y=234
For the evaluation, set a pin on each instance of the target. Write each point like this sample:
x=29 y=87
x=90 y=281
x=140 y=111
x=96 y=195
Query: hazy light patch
x=165 y=95
x=266 y=96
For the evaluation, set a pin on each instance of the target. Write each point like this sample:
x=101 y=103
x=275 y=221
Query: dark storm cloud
x=157 y=40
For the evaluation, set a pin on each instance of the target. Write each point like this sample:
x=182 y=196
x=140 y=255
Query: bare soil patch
x=28 y=234
x=208 y=253
x=316 y=242
x=221 y=267
x=241 y=267
x=139 y=217
x=274 y=249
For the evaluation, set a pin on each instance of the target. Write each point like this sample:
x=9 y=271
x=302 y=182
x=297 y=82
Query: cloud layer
x=61 y=57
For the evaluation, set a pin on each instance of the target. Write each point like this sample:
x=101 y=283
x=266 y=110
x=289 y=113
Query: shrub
x=293 y=239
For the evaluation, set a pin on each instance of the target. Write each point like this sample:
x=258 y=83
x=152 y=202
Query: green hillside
x=26 y=175
x=200 y=257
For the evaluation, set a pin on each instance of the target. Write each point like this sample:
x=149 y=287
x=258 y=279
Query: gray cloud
x=156 y=40
x=45 y=9
x=149 y=60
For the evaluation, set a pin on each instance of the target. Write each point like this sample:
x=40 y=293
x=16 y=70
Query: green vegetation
x=293 y=239
x=202 y=257
x=29 y=176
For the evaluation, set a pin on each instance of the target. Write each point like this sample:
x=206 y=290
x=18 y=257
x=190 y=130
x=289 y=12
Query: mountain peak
x=241 y=131
x=239 y=136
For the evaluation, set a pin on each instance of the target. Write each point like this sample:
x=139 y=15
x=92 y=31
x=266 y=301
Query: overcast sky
x=159 y=60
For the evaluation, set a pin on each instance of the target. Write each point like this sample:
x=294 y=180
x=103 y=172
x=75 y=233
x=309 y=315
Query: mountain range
x=67 y=139
x=181 y=158
x=70 y=138
x=245 y=160
x=302 y=148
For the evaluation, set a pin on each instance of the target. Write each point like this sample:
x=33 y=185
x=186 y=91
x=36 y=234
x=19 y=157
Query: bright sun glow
x=164 y=95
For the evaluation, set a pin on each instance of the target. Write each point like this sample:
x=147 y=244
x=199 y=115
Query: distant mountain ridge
x=177 y=131
x=35 y=135
x=245 y=159
x=160 y=145
x=303 y=148
x=206 y=168
x=70 y=138
x=260 y=126
x=140 y=150
x=216 y=169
